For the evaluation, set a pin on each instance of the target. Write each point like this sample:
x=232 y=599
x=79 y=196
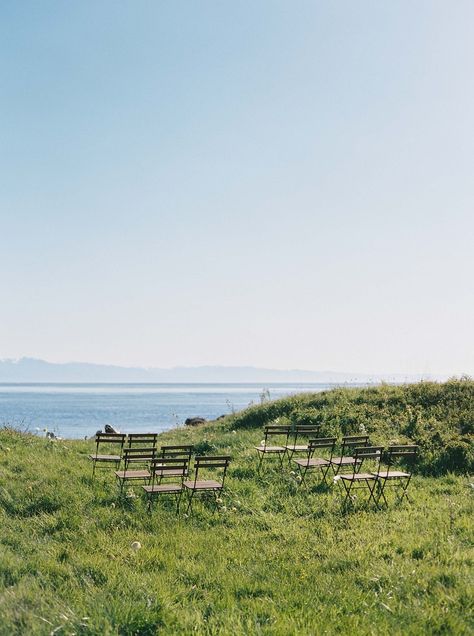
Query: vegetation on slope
x=275 y=558
x=437 y=417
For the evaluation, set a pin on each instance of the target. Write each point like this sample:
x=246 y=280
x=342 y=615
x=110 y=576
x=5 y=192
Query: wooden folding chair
x=388 y=477
x=317 y=463
x=271 y=432
x=183 y=452
x=361 y=480
x=133 y=456
x=347 y=459
x=207 y=486
x=161 y=467
x=116 y=439
x=302 y=434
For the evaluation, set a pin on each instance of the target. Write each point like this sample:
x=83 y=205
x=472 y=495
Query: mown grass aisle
x=275 y=559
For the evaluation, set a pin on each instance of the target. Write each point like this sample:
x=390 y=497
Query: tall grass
x=275 y=558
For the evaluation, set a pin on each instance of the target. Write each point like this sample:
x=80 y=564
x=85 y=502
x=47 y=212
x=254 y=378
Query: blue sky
x=279 y=184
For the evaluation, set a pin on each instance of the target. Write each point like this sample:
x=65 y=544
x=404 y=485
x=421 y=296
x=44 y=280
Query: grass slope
x=273 y=560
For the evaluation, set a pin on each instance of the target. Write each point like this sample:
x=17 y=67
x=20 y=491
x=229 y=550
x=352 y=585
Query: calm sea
x=79 y=410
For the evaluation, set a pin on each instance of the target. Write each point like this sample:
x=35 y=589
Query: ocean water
x=79 y=410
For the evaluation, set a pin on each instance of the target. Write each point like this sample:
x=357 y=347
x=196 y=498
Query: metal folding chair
x=359 y=480
x=183 y=452
x=388 y=477
x=311 y=463
x=161 y=467
x=115 y=439
x=198 y=485
x=347 y=459
x=302 y=434
x=271 y=433
x=133 y=456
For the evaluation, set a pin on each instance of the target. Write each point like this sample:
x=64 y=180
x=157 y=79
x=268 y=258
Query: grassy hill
x=275 y=559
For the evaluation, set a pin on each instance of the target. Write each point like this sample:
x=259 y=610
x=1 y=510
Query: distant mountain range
x=34 y=370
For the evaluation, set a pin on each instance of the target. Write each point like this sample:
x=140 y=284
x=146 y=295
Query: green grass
x=273 y=560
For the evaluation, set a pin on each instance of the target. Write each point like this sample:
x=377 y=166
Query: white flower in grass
x=336 y=478
x=262 y=443
x=136 y=545
x=298 y=477
x=234 y=509
x=234 y=432
x=292 y=472
x=219 y=500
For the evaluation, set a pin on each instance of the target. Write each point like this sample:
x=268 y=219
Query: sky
x=277 y=184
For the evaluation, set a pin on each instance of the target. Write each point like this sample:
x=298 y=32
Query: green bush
x=439 y=417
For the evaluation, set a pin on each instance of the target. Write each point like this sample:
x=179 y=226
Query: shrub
x=439 y=417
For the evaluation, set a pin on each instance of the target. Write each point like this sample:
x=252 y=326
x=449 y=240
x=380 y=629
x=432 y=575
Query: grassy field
x=275 y=559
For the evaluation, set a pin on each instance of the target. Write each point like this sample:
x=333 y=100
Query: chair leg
x=190 y=502
x=371 y=490
x=325 y=473
x=303 y=475
x=381 y=494
x=404 y=490
x=178 y=501
x=347 y=489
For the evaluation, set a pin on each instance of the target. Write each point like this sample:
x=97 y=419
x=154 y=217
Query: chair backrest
x=211 y=462
x=183 y=451
x=306 y=430
x=169 y=466
x=139 y=439
x=138 y=455
x=109 y=438
x=276 y=429
x=368 y=452
x=349 y=442
x=322 y=443
x=401 y=453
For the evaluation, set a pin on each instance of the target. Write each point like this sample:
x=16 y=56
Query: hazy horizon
x=36 y=370
x=271 y=184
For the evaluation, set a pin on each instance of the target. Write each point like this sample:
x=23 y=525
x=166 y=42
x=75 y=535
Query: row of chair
x=124 y=446
x=354 y=451
x=290 y=440
x=150 y=465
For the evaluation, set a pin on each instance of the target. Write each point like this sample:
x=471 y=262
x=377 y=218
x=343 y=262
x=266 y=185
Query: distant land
x=35 y=370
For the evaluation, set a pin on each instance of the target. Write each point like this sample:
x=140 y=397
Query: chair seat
x=344 y=461
x=132 y=474
x=270 y=449
x=105 y=458
x=313 y=462
x=297 y=447
x=162 y=488
x=358 y=476
x=392 y=474
x=208 y=484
